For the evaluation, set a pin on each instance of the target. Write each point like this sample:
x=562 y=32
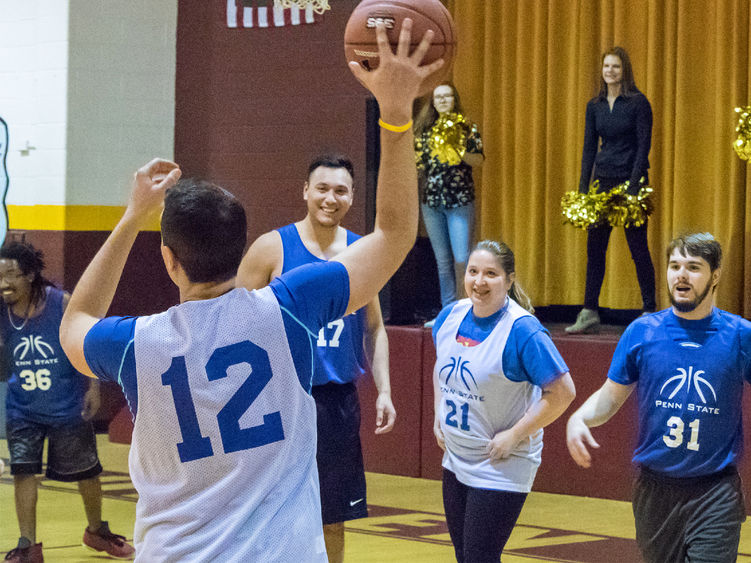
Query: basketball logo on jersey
x=689 y=380
x=685 y=378
x=457 y=370
x=35 y=345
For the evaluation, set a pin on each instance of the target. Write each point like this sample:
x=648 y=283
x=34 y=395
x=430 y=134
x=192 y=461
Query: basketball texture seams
x=360 y=40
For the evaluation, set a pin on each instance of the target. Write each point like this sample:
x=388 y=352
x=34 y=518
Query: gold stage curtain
x=526 y=69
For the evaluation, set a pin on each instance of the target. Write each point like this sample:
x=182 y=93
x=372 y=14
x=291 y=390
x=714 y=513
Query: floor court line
x=406 y=522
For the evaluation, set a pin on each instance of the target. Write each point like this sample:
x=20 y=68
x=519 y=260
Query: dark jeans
x=597 y=247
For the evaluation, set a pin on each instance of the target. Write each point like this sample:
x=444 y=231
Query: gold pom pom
x=742 y=144
x=448 y=138
x=616 y=207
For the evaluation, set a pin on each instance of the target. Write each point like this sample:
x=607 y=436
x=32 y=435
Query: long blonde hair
x=505 y=257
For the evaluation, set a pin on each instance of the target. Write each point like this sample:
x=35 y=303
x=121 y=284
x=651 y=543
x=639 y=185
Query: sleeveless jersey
x=221 y=453
x=43 y=386
x=478 y=401
x=340 y=356
x=689 y=390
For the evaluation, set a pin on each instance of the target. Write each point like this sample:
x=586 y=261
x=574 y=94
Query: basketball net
x=319 y=6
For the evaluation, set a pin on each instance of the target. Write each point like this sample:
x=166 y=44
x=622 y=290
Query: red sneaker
x=104 y=540
x=30 y=554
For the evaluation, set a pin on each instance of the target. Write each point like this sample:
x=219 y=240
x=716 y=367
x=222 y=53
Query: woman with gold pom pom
x=447 y=147
x=619 y=120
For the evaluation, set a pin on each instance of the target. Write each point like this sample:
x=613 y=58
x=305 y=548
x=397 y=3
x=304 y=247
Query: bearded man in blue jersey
x=688 y=364
x=47 y=398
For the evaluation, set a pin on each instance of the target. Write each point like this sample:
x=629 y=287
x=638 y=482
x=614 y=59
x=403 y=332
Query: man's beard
x=688 y=306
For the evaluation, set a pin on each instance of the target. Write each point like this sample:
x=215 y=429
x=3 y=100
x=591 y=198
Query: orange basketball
x=360 y=40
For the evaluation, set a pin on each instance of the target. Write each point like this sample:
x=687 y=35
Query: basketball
x=360 y=39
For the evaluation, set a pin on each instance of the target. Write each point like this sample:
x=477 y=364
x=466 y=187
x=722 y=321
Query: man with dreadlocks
x=48 y=398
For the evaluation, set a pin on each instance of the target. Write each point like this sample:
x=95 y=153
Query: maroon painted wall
x=144 y=288
x=253 y=106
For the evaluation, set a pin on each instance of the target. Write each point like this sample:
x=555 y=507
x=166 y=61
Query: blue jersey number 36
x=194 y=445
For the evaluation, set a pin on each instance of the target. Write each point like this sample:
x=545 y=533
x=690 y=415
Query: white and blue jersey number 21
x=194 y=445
x=458 y=418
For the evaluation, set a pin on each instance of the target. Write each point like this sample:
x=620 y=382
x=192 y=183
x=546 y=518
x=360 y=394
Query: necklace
x=25 y=317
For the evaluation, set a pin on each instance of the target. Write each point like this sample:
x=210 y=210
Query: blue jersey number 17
x=195 y=445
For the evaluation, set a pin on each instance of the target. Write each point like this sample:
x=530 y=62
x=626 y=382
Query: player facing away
x=47 y=398
x=223 y=452
x=340 y=346
x=688 y=364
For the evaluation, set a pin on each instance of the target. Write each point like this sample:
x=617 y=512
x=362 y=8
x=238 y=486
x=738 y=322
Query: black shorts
x=694 y=519
x=340 y=467
x=71 y=454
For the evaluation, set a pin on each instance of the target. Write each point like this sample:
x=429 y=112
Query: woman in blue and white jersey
x=498 y=381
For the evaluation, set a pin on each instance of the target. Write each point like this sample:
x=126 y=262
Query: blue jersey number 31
x=234 y=439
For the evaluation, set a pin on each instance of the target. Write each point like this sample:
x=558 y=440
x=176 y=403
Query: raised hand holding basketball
x=396 y=81
x=361 y=45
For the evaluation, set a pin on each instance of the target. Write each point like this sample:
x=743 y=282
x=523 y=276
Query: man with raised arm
x=341 y=346
x=688 y=365
x=223 y=452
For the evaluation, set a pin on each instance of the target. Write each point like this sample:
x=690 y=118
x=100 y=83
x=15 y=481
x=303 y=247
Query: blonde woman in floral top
x=447 y=147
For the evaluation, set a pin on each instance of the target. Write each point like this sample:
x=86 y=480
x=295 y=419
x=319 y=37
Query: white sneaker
x=587 y=321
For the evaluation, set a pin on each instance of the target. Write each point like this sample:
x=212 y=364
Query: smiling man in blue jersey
x=223 y=452
x=49 y=401
x=340 y=348
x=688 y=364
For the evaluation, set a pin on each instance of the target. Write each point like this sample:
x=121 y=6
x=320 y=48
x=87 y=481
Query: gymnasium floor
x=406 y=522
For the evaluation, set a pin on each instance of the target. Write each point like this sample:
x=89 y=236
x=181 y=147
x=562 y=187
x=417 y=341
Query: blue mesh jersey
x=689 y=376
x=340 y=355
x=43 y=386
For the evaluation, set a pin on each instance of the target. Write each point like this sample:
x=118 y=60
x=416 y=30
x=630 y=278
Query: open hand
x=578 y=436
x=396 y=81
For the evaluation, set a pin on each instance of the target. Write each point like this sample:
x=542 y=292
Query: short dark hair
x=702 y=245
x=332 y=161
x=31 y=261
x=205 y=227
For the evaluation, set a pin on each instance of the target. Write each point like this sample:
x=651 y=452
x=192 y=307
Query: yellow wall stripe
x=67 y=217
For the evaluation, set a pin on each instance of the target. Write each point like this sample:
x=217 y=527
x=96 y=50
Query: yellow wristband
x=395 y=128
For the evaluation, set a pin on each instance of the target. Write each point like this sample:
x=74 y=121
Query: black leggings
x=479 y=520
x=597 y=247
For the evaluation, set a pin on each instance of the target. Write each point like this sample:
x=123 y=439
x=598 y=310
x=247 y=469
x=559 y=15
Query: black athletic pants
x=597 y=247
x=479 y=520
